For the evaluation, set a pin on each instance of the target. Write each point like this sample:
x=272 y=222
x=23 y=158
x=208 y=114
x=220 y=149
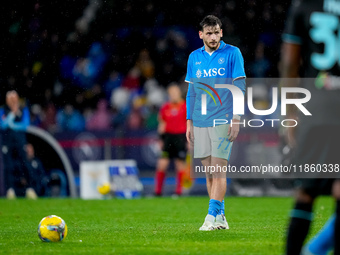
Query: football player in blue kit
x=214 y=63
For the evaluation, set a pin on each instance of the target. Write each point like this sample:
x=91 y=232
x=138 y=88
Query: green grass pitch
x=151 y=226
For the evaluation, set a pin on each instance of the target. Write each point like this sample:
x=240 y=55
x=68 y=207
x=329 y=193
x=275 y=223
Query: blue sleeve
x=190 y=100
x=24 y=123
x=238 y=65
x=189 y=69
x=241 y=84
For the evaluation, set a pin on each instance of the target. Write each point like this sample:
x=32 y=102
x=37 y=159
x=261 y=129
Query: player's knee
x=162 y=164
x=180 y=164
x=219 y=178
x=209 y=177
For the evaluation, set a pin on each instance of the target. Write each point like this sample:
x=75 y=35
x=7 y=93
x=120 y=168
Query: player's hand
x=234 y=129
x=190 y=132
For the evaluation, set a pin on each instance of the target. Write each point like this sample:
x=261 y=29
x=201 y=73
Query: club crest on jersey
x=198 y=73
x=221 y=61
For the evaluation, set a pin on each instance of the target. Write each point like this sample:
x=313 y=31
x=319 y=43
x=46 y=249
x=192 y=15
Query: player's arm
x=161 y=122
x=234 y=127
x=190 y=101
x=161 y=125
x=239 y=80
x=290 y=60
x=290 y=65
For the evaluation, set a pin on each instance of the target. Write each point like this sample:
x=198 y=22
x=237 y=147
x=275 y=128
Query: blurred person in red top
x=172 y=128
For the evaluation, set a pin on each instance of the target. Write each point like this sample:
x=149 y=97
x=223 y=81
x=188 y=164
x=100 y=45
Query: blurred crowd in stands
x=101 y=64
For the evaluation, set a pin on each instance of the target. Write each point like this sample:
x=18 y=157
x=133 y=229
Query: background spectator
x=101 y=118
x=14 y=121
x=70 y=119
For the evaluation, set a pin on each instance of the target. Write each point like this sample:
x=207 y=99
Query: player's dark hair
x=210 y=21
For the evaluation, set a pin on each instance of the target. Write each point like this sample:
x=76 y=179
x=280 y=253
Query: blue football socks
x=214 y=207
x=323 y=242
x=222 y=208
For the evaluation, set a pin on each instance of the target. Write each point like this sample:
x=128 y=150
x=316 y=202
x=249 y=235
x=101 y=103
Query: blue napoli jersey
x=204 y=70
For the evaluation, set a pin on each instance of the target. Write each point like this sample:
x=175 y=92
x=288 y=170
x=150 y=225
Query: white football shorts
x=212 y=141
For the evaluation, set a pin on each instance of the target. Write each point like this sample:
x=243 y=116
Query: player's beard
x=214 y=46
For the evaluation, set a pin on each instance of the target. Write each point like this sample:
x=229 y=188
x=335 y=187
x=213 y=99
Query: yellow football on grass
x=52 y=229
